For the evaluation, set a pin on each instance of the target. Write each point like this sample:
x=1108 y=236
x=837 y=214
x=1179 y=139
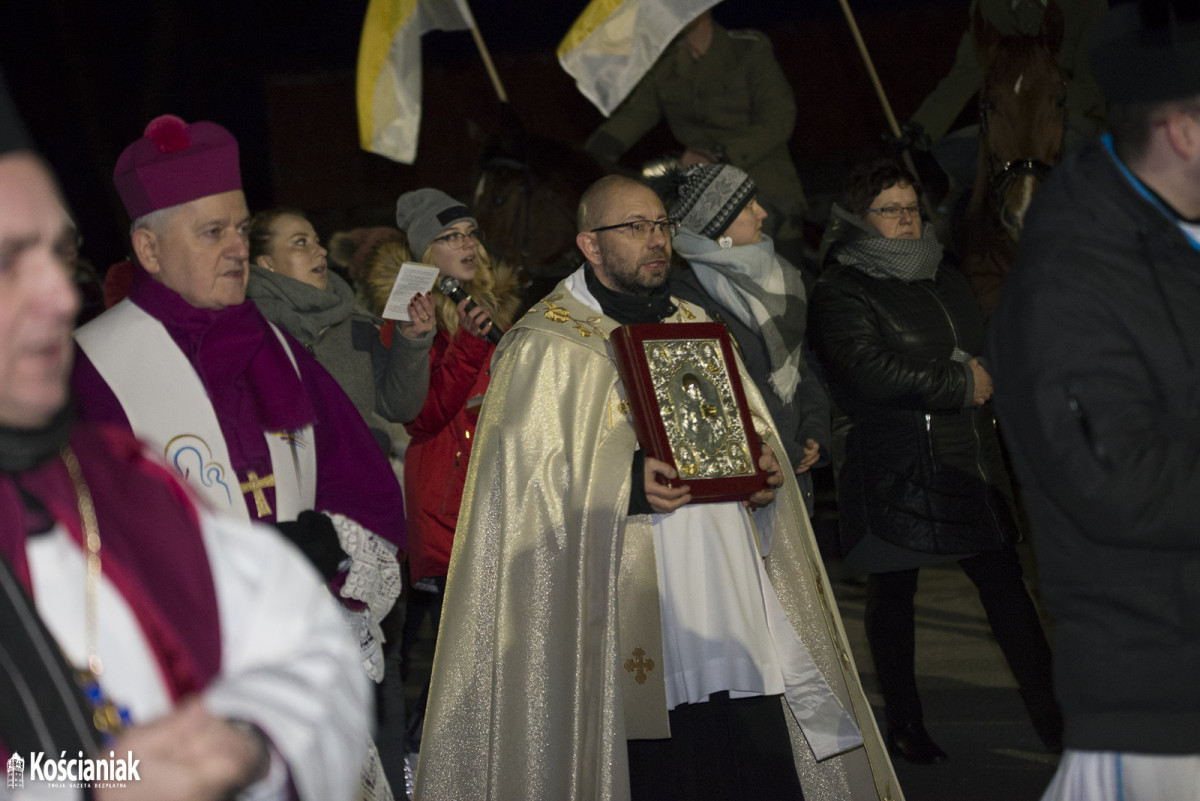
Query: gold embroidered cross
x=639 y=665
x=256 y=485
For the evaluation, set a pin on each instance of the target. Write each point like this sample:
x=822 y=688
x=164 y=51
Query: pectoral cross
x=256 y=485
x=108 y=718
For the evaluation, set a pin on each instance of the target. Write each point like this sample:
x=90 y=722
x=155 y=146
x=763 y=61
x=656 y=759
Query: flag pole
x=465 y=10
x=883 y=101
x=866 y=57
x=487 y=62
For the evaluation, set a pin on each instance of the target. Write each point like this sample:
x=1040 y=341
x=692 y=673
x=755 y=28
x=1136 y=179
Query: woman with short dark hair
x=897 y=330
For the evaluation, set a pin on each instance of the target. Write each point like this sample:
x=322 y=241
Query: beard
x=632 y=281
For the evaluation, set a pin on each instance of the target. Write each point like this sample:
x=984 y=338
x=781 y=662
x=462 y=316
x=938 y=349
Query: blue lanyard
x=1137 y=184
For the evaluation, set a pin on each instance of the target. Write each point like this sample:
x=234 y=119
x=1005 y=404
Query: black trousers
x=1010 y=612
x=722 y=750
x=420 y=603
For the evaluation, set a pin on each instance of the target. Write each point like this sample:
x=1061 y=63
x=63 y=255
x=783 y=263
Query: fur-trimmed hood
x=495 y=287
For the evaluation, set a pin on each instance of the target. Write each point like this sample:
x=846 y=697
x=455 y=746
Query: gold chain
x=91 y=536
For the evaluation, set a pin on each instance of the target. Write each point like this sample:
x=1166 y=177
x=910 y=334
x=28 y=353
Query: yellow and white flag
x=389 y=70
x=615 y=42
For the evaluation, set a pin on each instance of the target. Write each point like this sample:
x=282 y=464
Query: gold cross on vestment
x=256 y=485
x=639 y=665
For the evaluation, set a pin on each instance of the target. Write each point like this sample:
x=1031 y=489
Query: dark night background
x=88 y=76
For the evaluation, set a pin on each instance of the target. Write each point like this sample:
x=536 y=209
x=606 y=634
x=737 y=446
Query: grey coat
x=384 y=385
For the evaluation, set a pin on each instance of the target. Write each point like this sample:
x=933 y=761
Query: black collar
x=629 y=309
x=23 y=449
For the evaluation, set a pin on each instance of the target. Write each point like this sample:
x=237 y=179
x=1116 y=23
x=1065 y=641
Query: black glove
x=314 y=534
x=912 y=135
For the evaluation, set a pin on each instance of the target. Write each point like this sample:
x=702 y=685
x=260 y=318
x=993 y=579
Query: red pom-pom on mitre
x=168 y=133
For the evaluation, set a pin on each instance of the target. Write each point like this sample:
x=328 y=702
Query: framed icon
x=689 y=408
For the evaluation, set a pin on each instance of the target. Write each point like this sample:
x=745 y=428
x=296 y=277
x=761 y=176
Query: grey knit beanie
x=425 y=213
x=710 y=196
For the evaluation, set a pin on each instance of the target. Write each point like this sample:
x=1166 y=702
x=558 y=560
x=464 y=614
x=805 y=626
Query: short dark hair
x=872 y=177
x=260 y=231
x=1131 y=125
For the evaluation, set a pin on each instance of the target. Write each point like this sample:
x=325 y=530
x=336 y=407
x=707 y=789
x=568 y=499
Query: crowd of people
x=229 y=502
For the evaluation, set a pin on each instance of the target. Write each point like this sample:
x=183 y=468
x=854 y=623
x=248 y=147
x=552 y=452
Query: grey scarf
x=905 y=260
x=763 y=291
x=301 y=309
x=879 y=257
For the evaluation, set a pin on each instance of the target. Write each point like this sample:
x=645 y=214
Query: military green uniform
x=733 y=100
x=1085 y=104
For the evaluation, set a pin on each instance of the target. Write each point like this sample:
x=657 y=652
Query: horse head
x=526 y=193
x=1022 y=115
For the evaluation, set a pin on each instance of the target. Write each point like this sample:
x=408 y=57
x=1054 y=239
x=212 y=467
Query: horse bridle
x=1000 y=180
x=1012 y=170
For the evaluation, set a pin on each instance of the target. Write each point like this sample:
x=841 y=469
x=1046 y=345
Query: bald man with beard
x=602 y=627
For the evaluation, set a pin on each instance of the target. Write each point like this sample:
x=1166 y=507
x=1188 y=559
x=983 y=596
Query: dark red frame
x=629 y=347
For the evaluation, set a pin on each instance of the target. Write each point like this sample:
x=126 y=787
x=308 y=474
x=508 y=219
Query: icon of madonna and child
x=699 y=412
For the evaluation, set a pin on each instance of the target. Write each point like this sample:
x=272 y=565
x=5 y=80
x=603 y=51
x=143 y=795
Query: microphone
x=450 y=287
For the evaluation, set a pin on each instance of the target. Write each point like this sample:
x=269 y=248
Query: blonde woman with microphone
x=441 y=232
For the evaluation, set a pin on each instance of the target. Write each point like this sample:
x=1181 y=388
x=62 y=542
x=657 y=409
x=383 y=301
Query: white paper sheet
x=411 y=279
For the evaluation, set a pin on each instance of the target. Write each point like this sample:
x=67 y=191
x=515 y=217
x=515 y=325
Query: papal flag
x=615 y=42
x=389 y=70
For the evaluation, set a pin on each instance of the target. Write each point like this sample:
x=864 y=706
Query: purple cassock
x=253 y=388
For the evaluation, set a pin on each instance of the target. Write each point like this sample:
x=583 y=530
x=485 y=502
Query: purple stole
x=245 y=370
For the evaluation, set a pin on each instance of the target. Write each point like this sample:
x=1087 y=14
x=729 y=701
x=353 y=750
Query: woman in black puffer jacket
x=896 y=330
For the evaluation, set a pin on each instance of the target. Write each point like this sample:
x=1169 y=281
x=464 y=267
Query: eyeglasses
x=456 y=240
x=640 y=229
x=894 y=212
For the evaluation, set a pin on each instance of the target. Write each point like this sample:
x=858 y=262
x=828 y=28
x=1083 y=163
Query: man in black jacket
x=1096 y=357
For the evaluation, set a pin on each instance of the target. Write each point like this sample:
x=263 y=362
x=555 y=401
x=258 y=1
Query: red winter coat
x=435 y=464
